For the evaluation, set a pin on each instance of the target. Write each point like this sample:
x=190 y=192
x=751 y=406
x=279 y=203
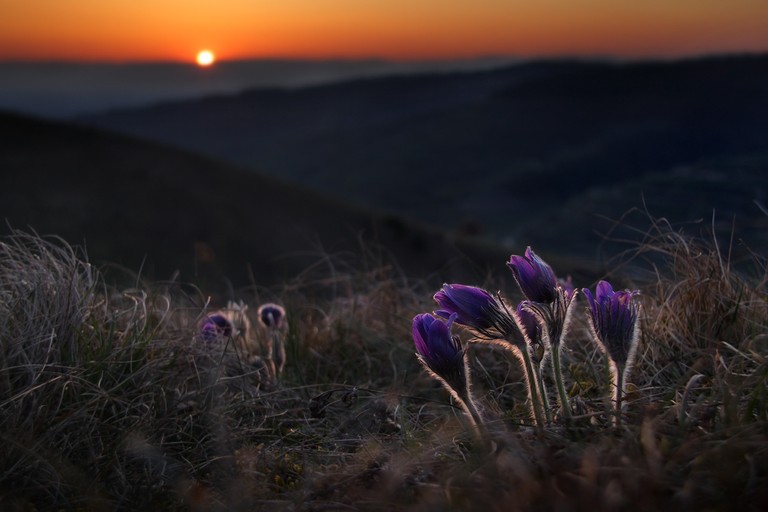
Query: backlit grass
x=110 y=400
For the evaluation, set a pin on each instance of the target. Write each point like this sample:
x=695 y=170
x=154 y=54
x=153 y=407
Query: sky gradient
x=175 y=30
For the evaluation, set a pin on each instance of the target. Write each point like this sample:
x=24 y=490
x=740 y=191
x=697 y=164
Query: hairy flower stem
x=609 y=378
x=278 y=354
x=471 y=413
x=533 y=395
x=565 y=406
x=468 y=404
x=467 y=400
x=617 y=382
x=520 y=351
x=463 y=398
x=543 y=394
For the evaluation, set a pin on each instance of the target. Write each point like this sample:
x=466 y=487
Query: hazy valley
x=537 y=153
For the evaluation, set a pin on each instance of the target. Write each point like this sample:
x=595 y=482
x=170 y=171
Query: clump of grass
x=108 y=400
x=707 y=322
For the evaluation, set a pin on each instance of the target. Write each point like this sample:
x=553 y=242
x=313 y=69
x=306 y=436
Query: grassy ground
x=109 y=399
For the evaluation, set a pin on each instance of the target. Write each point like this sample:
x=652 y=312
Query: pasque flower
x=536 y=279
x=551 y=303
x=475 y=308
x=215 y=327
x=440 y=351
x=493 y=324
x=613 y=321
x=271 y=315
x=443 y=356
x=529 y=324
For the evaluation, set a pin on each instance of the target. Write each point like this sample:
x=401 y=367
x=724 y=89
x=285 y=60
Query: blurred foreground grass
x=108 y=399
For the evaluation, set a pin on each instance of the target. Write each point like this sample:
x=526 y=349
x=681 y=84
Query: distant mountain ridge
x=501 y=152
x=63 y=89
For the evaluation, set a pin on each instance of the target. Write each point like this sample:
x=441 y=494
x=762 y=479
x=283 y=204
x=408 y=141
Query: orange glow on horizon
x=93 y=30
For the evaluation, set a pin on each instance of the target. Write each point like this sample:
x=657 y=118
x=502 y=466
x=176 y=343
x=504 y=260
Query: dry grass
x=108 y=400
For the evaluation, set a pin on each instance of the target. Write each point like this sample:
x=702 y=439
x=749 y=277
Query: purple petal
x=473 y=306
x=603 y=290
x=528 y=323
x=434 y=343
x=535 y=278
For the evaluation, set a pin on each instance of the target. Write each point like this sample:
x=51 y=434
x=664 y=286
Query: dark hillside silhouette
x=506 y=152
x=129 y=201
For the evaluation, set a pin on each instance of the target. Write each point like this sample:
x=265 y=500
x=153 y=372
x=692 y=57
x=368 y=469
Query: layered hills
x=546 y=153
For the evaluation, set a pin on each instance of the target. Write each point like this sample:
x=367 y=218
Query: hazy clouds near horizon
x=63 y=89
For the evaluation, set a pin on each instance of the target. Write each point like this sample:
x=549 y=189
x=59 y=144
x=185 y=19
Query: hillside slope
x=143 y=205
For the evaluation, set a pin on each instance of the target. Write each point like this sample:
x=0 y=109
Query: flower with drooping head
x=536 y=279
x=613 y=320
x=443 y=357
x=475 y=308
x=216 y=327
x=470 y=304
x=271 y=315
x=492 y=322
x=438 y=350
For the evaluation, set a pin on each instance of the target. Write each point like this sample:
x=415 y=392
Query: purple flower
x=536 y=279
x=613 y=318
x=215 y=327
x=437 y=349
x=271 y=315
x=529 y=324
x=473 y=307
x=477 y=309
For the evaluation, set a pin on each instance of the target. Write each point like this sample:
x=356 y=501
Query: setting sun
x=205 y=58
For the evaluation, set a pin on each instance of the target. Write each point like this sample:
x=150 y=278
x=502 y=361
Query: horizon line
x=396 y=60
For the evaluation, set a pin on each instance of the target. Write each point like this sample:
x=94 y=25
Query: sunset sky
x=175 y=30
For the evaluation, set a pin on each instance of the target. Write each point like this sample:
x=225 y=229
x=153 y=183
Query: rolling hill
x=160 y=210
x=534 y=153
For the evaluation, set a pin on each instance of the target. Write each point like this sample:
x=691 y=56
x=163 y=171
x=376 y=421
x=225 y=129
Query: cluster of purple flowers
x=232 y=324
x=534 y=331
